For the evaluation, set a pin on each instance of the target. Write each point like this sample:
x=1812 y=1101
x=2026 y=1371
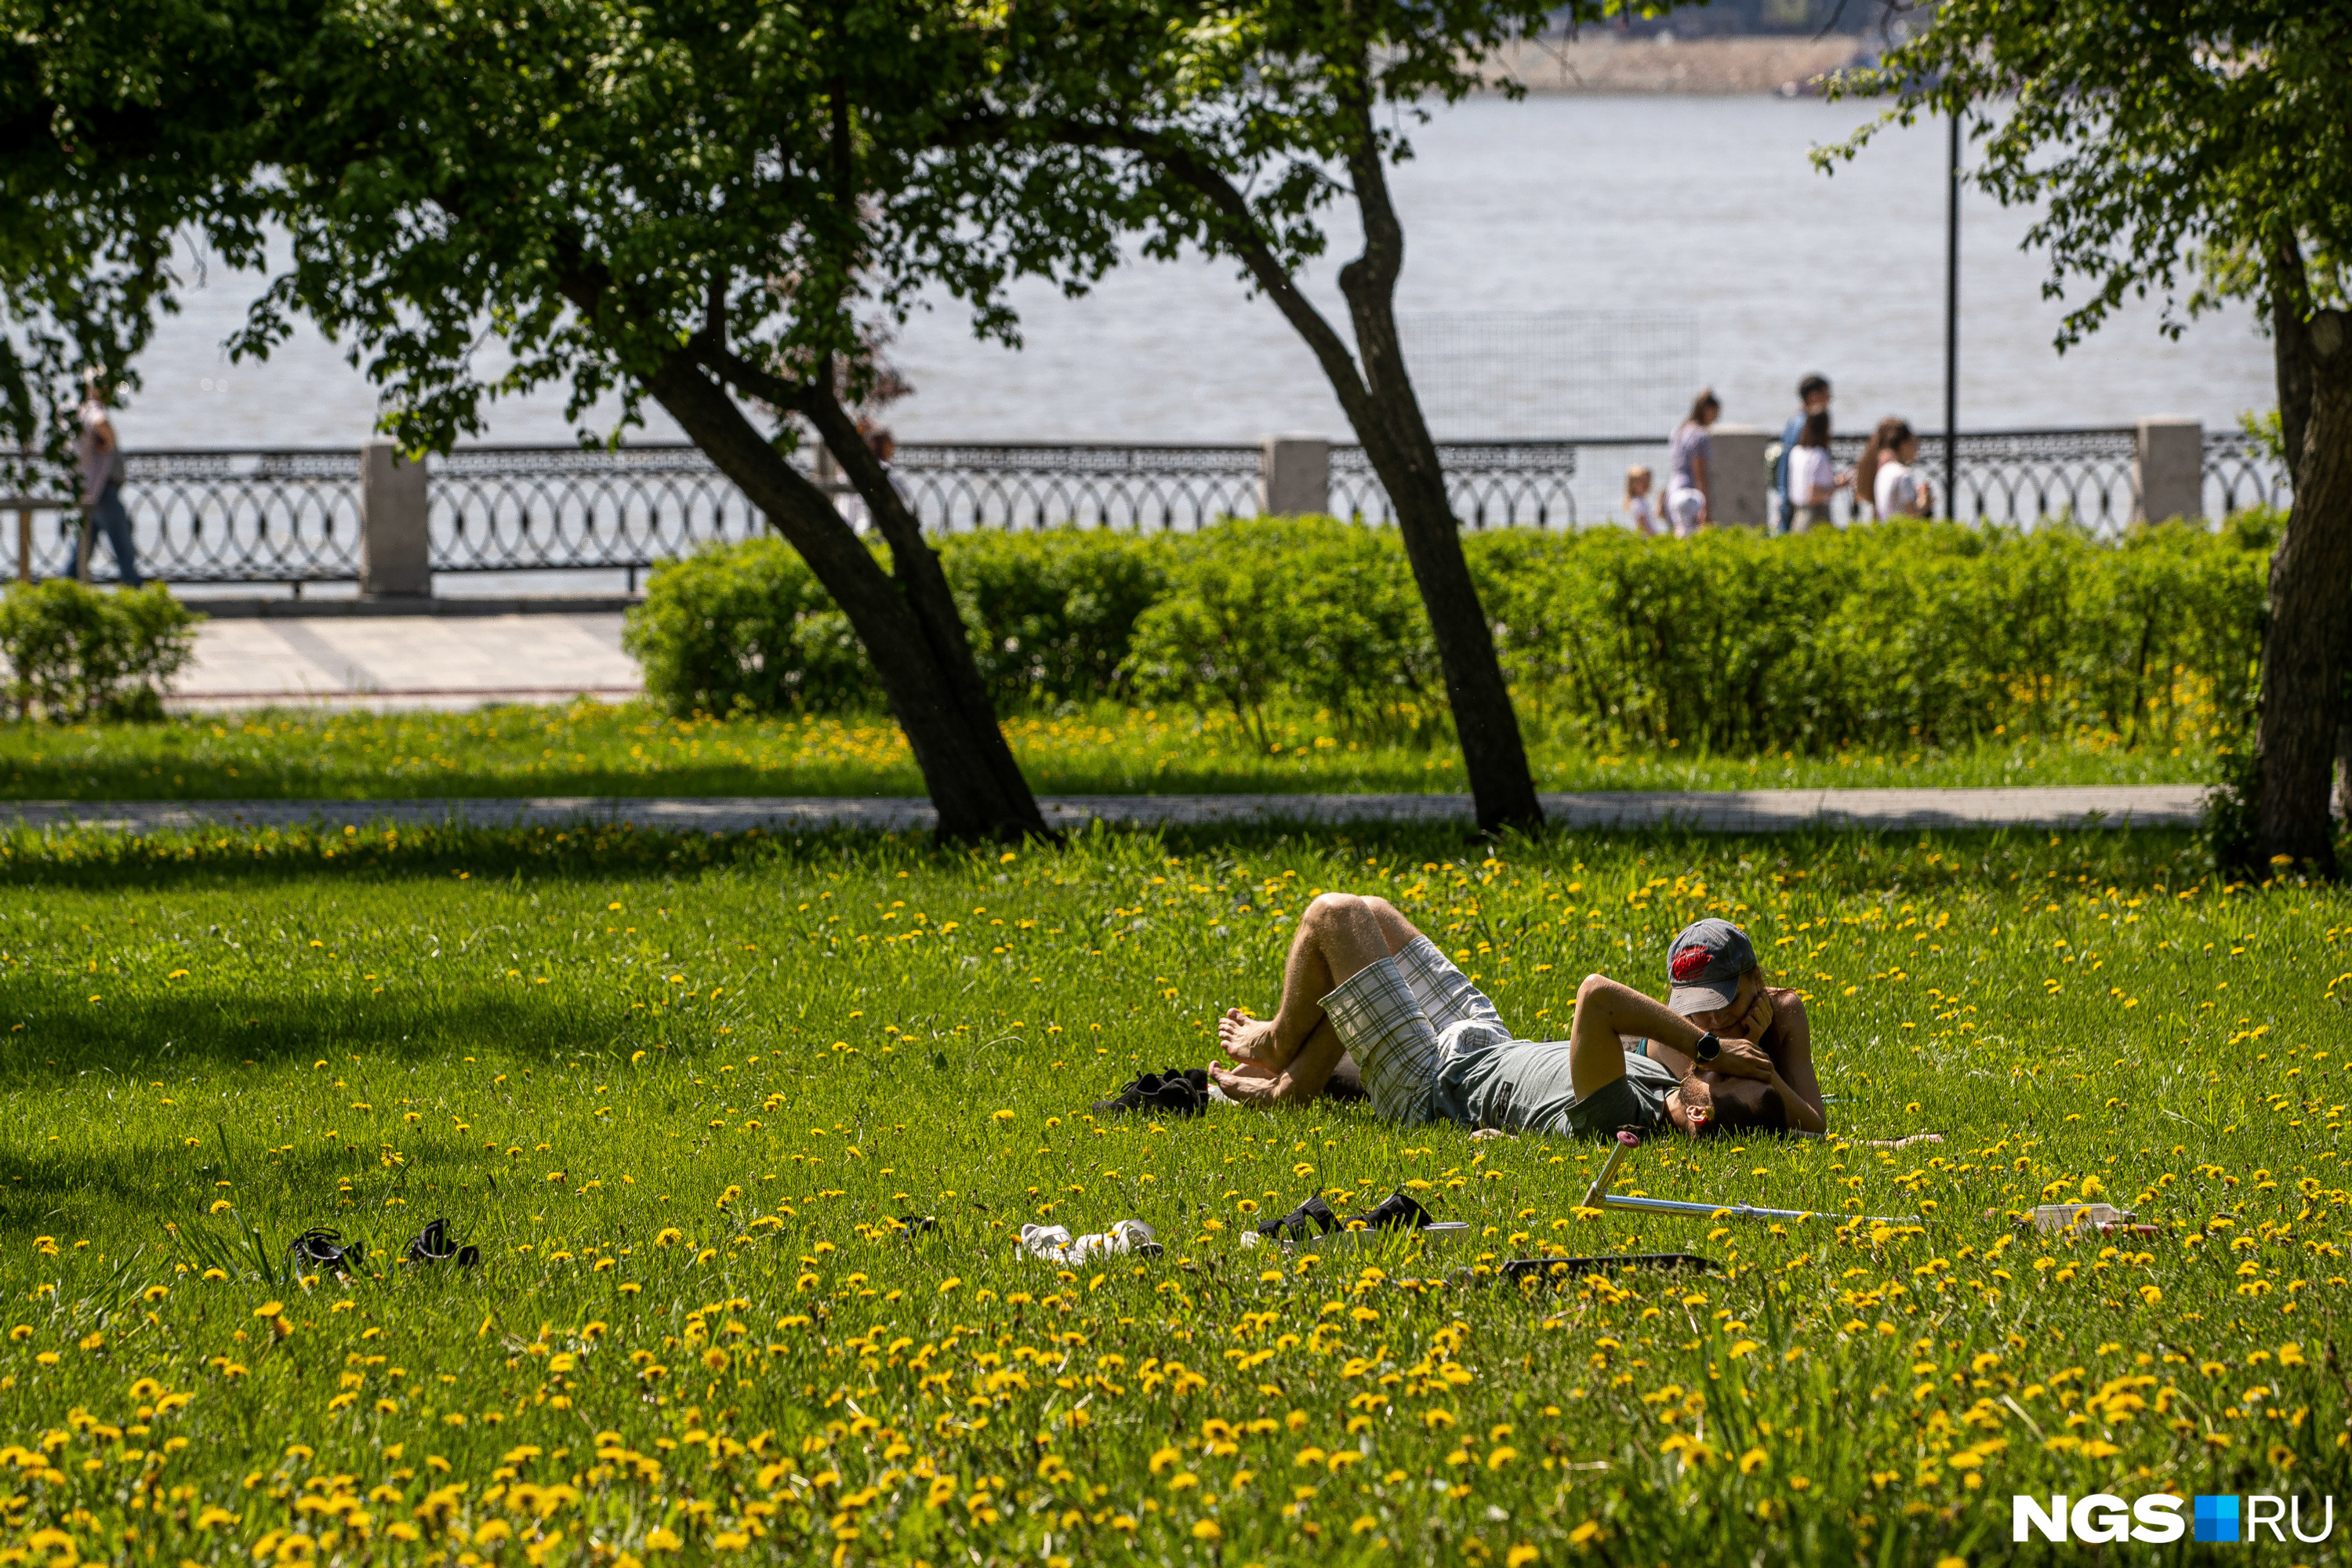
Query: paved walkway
x=406 y=661
x=1710 y=811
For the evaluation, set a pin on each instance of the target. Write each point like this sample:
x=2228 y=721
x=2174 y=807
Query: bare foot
x=1252 y=1084
x=1247 y=1039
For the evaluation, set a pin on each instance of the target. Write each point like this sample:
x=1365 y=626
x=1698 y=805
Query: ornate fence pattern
x=524 y=509
x=1492 y=484
x=222 y=517
x=292 y=517
x=958 y=489
x=2239 y=475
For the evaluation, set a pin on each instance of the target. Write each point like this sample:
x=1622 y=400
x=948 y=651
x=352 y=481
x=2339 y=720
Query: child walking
x=1638 y=509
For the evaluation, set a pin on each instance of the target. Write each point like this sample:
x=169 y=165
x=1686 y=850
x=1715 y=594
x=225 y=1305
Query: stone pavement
x=1708 y=811
x=384 y=661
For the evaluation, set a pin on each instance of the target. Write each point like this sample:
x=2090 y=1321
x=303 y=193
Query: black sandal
x=327 y=1250
x=1293 y=1226
x=1177 y=1091
x=432 y=1245
x=1398 y=1211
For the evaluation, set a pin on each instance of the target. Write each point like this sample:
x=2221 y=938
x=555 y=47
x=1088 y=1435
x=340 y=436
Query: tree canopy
x=2190 y=150
x=123 y=130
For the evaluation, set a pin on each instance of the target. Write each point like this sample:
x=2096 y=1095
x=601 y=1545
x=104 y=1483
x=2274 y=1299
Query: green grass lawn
x=679 y=1091
x=587 y=749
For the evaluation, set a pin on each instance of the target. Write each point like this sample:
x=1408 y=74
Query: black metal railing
x=221 y=517
x=2240 y=474
x=293 y=517
x=958 y=489
x=538 y=508
x=1492 y=484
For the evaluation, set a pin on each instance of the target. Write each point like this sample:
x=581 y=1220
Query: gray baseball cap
x=1706 y=963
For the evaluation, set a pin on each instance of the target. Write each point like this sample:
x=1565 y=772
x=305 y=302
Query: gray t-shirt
x=1525 y=1086
x=1689 y=443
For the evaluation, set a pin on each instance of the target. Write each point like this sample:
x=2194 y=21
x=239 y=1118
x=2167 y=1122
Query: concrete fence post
x=1294 y=476
x=2168 y=467
x=1738 y=477
x=395 y=554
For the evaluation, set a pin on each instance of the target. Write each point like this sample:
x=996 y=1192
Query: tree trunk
x=922 y=584
x=1377 y=397
x=2309 y=630
x=966 y=766
x=1396 y=440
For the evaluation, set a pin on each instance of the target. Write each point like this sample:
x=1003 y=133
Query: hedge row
x=1920 y=632
x=70 y=652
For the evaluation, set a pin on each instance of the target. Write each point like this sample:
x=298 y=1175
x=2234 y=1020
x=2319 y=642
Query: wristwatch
x=1707 y=1049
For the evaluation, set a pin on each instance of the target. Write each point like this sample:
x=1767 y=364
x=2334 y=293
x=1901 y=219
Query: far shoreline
x=1603 y=64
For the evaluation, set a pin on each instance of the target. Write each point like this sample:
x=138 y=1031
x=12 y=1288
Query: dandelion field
x=588 y=748
x=686 y=1092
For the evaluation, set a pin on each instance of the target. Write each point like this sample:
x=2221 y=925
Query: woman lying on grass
x=1362 y=986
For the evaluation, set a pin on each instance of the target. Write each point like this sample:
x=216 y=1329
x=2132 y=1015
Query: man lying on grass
x=1363 y=985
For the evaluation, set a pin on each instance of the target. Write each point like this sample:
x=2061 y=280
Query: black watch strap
x=1707 y=1049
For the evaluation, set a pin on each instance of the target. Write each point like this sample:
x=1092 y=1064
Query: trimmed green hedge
x=72 y=652
x=1914 y=632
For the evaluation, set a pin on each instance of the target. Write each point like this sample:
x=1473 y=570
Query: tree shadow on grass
x=143 y=1039
x=65 y=1190
x=95 y=861
x=1842 y=858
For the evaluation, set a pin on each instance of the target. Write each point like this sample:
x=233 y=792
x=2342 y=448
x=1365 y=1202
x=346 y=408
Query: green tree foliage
x=1235 y=130
x=709 y=206
x=2186 y=151
x=121 y=126
x=706 y=206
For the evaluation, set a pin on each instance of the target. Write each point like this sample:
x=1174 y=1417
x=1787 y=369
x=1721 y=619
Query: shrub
x=74 y=653
x=746 y=626
x=1050 y=614
x=1324 y=613
x=1903 y=634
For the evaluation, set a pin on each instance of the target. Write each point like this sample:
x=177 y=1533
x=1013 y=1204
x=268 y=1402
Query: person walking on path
x=1686 y=456
x=1812 y=397
x=1811 y=477
x=99 y=451
x=1897 y=486
x=1877 y=452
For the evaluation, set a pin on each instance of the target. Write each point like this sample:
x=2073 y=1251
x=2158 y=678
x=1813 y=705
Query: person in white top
x=1898 y=489
x=1885 y=481
x=1812 y=479
x=1640 y=511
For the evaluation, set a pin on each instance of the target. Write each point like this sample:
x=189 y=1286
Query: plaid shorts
x=1403 y=1018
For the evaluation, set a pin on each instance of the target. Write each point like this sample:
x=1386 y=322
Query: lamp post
x=1952 y=325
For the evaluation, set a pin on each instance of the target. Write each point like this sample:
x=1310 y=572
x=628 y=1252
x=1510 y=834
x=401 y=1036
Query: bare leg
x=1306 y=979
x=1295 y=1050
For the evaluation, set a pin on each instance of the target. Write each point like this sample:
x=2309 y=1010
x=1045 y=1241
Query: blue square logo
x=2217 y=1518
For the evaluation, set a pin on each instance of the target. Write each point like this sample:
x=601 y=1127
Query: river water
x=1575 y=266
